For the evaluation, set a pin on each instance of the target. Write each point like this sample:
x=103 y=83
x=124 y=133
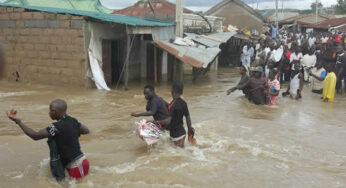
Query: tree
x=313 y=6
x=341 y=7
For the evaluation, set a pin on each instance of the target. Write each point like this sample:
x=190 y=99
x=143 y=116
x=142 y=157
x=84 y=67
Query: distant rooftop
x=329 y=23
x=142 y=9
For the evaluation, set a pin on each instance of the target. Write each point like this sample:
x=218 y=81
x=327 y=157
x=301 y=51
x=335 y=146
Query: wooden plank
x=212 y=38
x=155 y=65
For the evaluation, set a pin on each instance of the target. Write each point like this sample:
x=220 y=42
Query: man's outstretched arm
x=84 y=129
x=43 y=133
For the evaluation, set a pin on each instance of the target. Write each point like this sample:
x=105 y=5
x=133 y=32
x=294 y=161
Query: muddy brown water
x=294 y=144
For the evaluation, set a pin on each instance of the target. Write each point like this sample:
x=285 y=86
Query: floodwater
x=294 y=144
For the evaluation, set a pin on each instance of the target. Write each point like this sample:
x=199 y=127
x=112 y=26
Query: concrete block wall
x=43 y=48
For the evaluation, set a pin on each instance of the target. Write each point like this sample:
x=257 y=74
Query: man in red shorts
x=65 y=132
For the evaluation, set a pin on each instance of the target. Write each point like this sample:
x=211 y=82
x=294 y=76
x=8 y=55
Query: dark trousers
x=285 y=76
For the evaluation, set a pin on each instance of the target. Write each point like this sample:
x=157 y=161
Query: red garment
x=80 y=171
x=338 y=38
x=288 y=55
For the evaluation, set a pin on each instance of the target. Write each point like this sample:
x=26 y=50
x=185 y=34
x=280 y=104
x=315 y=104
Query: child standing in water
x=177 y=110
x=273 y=88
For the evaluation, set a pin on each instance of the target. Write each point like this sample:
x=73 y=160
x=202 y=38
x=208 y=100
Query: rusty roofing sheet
x=342 y=29
x=241 y=36
x=328 y=23
x=194 y=56
x=142 y=9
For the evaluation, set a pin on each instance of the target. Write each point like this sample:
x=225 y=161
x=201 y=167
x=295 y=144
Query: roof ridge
x=120 y=19
x=240 y=3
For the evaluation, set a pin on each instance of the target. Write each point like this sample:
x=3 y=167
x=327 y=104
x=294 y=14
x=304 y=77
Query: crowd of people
x=314 y=59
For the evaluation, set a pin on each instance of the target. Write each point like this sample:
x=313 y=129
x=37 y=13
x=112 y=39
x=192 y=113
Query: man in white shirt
x=325 y=38
x=267 y=50
x=312 y=41
x=308 y=62
x=258 y=46
x=246 y=56
x=251 y=51
x=296 y=56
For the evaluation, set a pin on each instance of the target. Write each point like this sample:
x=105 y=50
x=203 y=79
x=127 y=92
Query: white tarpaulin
x=95 y=59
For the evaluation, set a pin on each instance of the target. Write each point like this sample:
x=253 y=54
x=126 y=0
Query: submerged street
x=294 y=144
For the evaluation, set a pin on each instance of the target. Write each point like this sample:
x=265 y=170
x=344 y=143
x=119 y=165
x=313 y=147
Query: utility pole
x=179 y=18
x=316 y=11
x=277 y=16
x=178 y=69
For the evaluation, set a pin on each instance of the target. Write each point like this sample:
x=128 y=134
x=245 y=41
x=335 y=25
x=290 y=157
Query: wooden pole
x=179 y=18
x=179 y=69
x=126 y=76
x=276 y=13
x=155 y=65
x=316 y=11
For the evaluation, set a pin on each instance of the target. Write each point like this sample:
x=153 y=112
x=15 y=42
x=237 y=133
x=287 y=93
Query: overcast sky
x=203 y=5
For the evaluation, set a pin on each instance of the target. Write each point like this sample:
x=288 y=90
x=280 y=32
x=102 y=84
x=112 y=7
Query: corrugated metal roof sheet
x=220 y=38
x=242 y=36
x=86 y=5
x=196 y=57
x=121 y=19
x=328 y=23
x=342 y=29
x=142 y=9
x=300 y=17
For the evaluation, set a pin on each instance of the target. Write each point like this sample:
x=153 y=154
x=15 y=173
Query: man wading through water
x=175 y=124
x=65 y=132
x=156 y=106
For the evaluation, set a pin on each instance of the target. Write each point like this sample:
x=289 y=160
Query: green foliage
x=313 y=6
x=306 y=11
x=341 y=7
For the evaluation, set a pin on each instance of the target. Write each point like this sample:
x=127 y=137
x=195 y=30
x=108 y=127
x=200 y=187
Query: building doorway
x=152 y=53
x=112 y=61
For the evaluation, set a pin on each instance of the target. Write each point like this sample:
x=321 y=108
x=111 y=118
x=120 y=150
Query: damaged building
x=82 y=48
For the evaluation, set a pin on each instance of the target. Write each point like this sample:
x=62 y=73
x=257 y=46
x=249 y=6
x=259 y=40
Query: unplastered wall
x=42 y=47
